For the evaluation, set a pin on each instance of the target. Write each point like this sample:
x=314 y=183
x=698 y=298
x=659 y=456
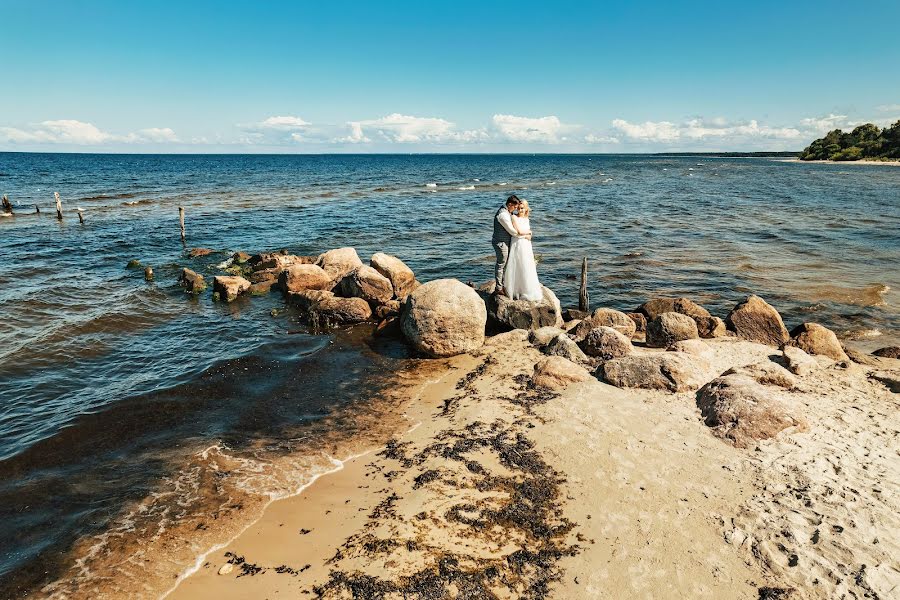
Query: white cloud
x=79 y=133
x=402 y=129
x=529 y=129
x=601 y=139
x=888 y=108
x=825 y=124
x=662 y=131
x=702 y=129
x=286 y=123
x=158 y=134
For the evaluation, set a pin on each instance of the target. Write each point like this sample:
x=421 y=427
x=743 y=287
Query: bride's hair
x=524 y=209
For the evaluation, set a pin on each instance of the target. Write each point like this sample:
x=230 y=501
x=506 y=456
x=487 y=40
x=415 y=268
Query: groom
x=502 y=238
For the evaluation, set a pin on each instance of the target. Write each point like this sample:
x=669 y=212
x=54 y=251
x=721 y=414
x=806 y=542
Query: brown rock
x=756 y=320
x=339 y=263
x=888 y=352
x=694 y=346
x=556 y=372
x=563 y=346
x=767 y=373
x=240 y=257
x=743 y=411
x=640 y=321
x=444 y=318
x=572 y=314
x=191 y=281
x=607 y=317
x=657 y=306
x=278 y=261
x=367 y=283
x=543 y=336
x=813 y=338
x=401 y=277
x=670 y=327
x=389 y=327
x=230 y=287
x=870 y=360
x=260 y=288
x=198 y=252
x=306 y=299
x=391 y=308
x=264 y=275
x=507 y=313
x=339 y=311
x=799 y=362
x=606 y=343
x=710 y=327
x=673 y=371
x=304 y=277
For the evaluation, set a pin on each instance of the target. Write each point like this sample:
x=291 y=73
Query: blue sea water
x=82 y=337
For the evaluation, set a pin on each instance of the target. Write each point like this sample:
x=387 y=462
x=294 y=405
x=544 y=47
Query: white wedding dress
x=520 y=278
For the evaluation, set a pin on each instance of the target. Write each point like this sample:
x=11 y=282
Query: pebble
x=226 y=569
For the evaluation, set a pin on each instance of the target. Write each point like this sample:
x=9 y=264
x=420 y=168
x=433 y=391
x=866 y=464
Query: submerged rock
x=813 y=338
x=229 y=287
x=741 y=410
x=670 y=327
x=402 y=278
x=606 y=343
x=672 y=371
x=198 y=252
x=339 y=263
x=191 y=281
x=444 y=317
x=367 y=283
x=556 y=372
x=524 y=314
x=756 y=320
x=304 y=277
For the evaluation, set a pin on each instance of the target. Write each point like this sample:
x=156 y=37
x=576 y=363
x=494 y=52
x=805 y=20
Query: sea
x=140 y=426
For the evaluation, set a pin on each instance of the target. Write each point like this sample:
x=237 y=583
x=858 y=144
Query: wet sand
x=501 y=490
x=894 y=163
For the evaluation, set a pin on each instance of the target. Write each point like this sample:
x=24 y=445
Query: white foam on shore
x=466 y=187
x=431 y=185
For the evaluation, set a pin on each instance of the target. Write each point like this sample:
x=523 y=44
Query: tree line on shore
x=867 y=142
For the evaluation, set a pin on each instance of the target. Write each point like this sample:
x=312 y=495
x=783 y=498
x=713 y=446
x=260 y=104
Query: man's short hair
x=512 y=200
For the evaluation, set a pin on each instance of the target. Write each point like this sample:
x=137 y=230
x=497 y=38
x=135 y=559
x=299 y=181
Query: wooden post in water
x=583 y=298
x=58 y=206
x=7 y=207
x=80 y=216
x=37 y=209
x=181 y=220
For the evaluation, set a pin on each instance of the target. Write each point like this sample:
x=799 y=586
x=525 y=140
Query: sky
x=406 y=77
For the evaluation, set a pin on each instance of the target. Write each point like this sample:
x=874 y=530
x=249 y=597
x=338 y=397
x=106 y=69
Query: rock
x=304 y=277
x=556 y=372
x=711 y=327
x=133 y=264
x=695 y=347
x=743 y=411
x=523 y=314
x=861 y=358
x=339 y=311
x=572 y=314
x=391 y=308
x=226 y=569
x=240 y=257
x=339 y=263
x=888 y=352
x=264 y=276
x=230 y=287
x=198 y=252
x=563 y=346
x=570 y=325
x=148 y=273
x=389 y=327
x=278 y=261
x=606 y=343
x=516 y=337
x=671 y=371
x=640 y=321
x=444 y=317
x=756 y=320
x=261 y=287
x=542 y=336
x=395 y=270
x=670 y=327
x=891 y=379
x=367 y=283
x=657 y=306
x=607 y=317
x=765 y=372
x=191 y=281
x=306 y=299
x=813 y=338
x=799 y=362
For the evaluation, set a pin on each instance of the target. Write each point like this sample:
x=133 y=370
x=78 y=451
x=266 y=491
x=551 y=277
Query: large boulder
x=229 y=287
x=524 y=314
x=756 y=320
x=191 y=281
x=339 y=263
x=672 y=371
x=277 y=261
x=367 y=283
x=332 y=310
x=670 y=327
x=401 y=277
x=657 y=306
x=741 y=410
x=306 y=299
x=563 y=346
x=556 y=372
x=765 y=372
x=607 y=317
x=606 y=343
x=710 y=327
x=542 y=336
x=799 y=362
x=813 y=338
x=304 y=277
x=444 y=317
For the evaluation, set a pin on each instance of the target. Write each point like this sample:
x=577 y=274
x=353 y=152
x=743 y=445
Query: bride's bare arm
x=522 y=234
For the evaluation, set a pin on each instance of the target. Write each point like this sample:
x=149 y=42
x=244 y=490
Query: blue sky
x=442 y=77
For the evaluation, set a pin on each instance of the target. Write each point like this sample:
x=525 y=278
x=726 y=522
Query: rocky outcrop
x=657 y=306
x=333 y=310
x=556 y=372
x=229 y=287
x=888 y=352
x=304 y=277
x=305 y=299
x=605 y=343
x=813 y=338
x=710 y=327
x=741 y=410
x=191 y=281
x=278 y=261
x=672 y=371
x=767 y=373
x=563 y=346
x=607 y=317
x=541 y=337
x=640 y=321
x=444 y=317
x=756 y=320
x=339 y=263
x=367 y=283
x=799 y=362
x=402 y=278
x=506 y=313
x=670 y=327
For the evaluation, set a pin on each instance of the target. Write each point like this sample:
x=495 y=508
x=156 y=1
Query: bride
x=520 y=278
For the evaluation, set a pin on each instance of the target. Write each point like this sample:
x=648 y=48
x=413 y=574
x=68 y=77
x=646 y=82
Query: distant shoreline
x=890 y=163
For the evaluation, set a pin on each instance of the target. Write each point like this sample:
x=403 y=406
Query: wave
x=431 y=185
x=466 y=187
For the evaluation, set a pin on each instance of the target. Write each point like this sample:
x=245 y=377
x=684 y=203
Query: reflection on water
x=116 y=391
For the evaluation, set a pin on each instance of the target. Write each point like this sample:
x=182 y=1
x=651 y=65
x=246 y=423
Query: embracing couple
x=515 y=273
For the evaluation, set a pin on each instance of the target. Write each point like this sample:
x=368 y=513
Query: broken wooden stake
x=7 y=207
x=181 y=220
x=583 y=298
x=58 y=206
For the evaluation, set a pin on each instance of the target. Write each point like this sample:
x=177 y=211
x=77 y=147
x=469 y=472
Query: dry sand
x=594 y=492
x=894 y=163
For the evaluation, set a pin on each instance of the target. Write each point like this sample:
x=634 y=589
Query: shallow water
x=98 y=367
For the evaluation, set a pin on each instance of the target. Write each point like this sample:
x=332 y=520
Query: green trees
x=864 y=142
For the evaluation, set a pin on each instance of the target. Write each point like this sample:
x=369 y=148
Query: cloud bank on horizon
x=396 y=132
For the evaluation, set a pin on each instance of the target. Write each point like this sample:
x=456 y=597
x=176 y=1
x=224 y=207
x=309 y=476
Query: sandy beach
x=500 y=489
x=890 y=163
